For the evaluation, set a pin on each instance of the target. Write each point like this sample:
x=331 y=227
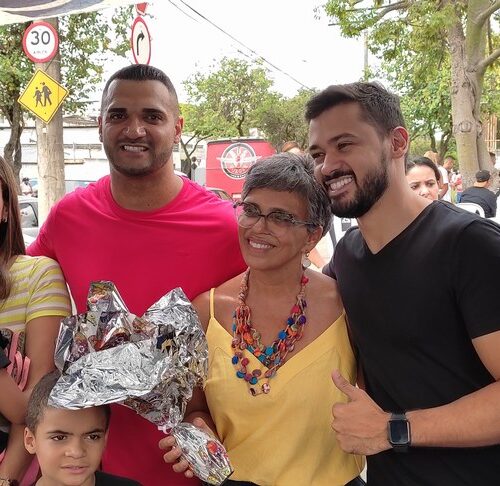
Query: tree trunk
x=13 y=150
x=465 y=126
x=467 y=82
x=50 y=147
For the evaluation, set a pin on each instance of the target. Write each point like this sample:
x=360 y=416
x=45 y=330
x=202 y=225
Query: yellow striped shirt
x=38 y=290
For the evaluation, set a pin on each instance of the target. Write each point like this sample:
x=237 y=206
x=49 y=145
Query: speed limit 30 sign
x=40 y=41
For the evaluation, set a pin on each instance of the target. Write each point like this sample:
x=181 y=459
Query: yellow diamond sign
x=43 y=96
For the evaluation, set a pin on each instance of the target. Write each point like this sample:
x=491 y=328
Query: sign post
x=43 y=96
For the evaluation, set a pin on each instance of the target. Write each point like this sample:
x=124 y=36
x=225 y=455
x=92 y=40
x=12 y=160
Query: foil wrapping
x=206 y=455
x=150 y=364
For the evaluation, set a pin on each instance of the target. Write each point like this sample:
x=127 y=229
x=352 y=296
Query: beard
x=155 y=163
x=367 y=193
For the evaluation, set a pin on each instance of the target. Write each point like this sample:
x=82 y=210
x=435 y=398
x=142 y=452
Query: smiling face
x=139 y=126
x=69 y=445
x=423 y=181
x=351 y=159
x=265 y=247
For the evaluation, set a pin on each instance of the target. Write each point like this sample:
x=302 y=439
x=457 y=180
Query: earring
x=306 y=263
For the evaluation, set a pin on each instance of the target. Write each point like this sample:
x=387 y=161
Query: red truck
x=228 y=161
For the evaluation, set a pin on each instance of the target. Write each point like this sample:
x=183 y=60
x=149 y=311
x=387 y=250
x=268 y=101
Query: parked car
x=28 y=206
x=69 y=185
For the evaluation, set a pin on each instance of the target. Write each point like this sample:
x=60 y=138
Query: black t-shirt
x=105 y=479
x=482 y=196
x=413 y=309
x=4 y=361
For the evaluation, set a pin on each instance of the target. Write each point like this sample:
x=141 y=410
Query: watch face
x=399 y=432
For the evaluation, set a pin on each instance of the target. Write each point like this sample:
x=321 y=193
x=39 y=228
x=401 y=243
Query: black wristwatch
x=399 y=432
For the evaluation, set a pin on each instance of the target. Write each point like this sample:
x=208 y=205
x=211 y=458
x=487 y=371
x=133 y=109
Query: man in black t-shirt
x=480 y=194
x=422 y=316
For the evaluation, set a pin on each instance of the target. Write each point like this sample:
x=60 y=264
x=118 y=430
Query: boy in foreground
x=68 y=443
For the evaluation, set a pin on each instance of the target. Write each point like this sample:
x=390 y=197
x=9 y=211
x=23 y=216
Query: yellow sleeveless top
x=283 y=438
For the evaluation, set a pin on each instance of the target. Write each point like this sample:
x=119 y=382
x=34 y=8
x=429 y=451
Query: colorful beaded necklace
x=245 y=337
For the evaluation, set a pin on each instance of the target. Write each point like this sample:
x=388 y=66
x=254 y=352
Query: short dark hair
x=289 y=172
x=483 y=176
x=423 y=161
x=39 y=398
x=141 y=72
x=380 y=107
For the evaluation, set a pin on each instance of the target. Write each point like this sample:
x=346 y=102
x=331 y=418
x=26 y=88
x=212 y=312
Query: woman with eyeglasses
x=275 y=333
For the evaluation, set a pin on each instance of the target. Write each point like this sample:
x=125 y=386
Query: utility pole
x=50 y=146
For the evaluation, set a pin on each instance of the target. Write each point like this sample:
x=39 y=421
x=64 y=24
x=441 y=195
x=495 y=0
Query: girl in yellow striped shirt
x=33 y=299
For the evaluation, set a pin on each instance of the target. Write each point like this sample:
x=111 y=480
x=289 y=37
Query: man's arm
x=470 y=421
x=444 y=182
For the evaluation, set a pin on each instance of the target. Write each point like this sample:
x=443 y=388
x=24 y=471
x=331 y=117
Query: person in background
x=144 y=228
x=33 y=299
x=444 y=182
x=423 y=176
x=67 y=443
x=26 y=189
x=493 y=159
x=267 y=361
x=421 y=311
x=480 y=194
x=292 y=147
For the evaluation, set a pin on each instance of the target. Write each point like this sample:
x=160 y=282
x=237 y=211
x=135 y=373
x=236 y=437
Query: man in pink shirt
x=144 y=228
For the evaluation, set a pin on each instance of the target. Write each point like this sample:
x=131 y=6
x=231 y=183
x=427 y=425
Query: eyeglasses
x=278 y=222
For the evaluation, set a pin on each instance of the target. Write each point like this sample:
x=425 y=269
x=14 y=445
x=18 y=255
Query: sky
x=287 y=33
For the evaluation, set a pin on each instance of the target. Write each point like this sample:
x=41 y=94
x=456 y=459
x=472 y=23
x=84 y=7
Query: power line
x=239 y=42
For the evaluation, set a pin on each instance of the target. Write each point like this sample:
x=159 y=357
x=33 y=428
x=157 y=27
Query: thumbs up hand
x=360 y=424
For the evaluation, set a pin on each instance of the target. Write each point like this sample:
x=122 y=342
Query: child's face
x=69 y=445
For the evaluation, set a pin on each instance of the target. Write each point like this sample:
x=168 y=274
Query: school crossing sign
x=43 y=96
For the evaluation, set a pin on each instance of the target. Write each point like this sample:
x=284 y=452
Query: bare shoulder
x=324 y=290
x=202 y=306
x=224 y=298
x=320 y=282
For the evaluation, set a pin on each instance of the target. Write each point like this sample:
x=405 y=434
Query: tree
x=85 y=43
x=282 y=119
x=199 y=124
x=445 y=37
x=228 y=99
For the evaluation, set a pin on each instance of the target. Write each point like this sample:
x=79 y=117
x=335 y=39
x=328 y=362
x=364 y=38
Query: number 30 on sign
x=40 y=42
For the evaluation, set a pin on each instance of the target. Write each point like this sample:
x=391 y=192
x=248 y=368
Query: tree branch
x=396 y=6
x=482 y=66
x=384 y=10
x=484 y=16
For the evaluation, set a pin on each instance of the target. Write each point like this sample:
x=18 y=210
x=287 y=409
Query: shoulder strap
x=212 y=304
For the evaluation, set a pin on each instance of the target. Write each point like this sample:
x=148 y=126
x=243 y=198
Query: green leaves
x=227 y=100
